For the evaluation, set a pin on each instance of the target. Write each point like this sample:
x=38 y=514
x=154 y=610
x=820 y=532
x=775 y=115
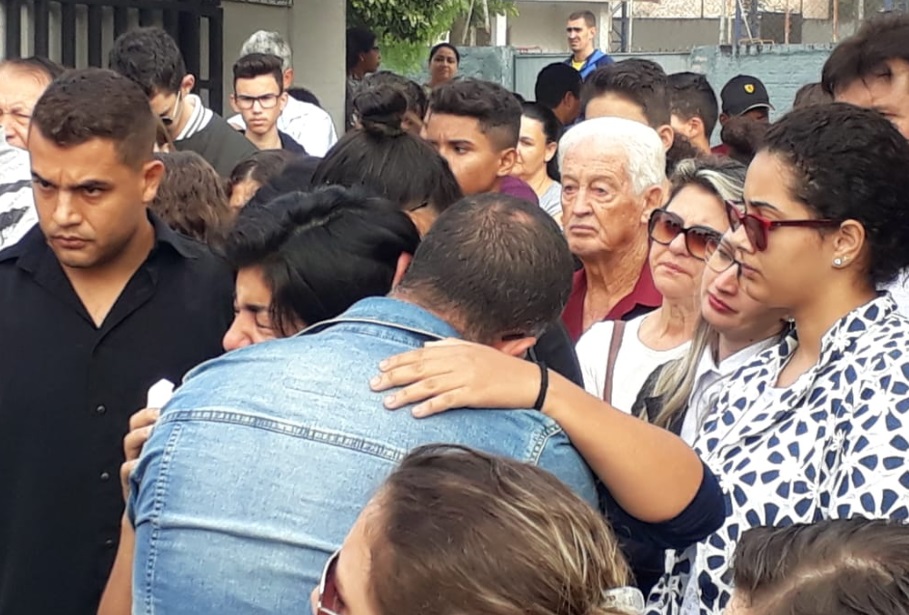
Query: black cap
x=744 y=93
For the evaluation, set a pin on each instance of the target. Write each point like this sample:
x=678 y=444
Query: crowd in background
x=477 y=355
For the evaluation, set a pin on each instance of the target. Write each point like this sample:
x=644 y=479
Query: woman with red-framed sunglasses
x=813 y=428
x=454 y=530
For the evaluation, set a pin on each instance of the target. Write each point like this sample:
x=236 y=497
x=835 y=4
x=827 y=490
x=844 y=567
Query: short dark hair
x=552 y=128
x=295 y=177
x=321 y=252
x=858 y=566
x=556 y=80
x=413 y=92
x=151 y=58
x=811 y=94
x=589 y=18
x=691 y=95
x=881 y=38
x=432 y=52
x=386 y=159
x=304 y=95
x=191 y=198
x=498 y=264
x=850 y=163
x=495 y=108
x=643 y=82
x=255 y=65
x=71 y=112
x=38 y=65
x=261 y=167
x=359 y=40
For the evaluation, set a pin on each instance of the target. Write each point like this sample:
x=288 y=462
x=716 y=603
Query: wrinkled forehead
x=595 y=158
x=22 y=84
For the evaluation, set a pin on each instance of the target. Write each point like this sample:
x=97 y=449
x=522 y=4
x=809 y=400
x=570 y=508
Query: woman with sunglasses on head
x=814 y=428
x=616 y=357
x=456 y=531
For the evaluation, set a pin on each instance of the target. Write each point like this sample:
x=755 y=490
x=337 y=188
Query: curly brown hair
x=192 y=199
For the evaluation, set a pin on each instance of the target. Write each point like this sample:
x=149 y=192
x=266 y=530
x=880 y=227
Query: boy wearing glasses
x=260 y=98
x=151 y=58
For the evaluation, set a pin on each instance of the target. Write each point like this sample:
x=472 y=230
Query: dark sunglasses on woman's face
x=329 y=601
x=757 y=229
x=665 y=226
x=721 y=257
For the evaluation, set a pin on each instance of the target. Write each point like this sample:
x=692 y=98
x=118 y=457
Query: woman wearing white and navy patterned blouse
x=817 y=427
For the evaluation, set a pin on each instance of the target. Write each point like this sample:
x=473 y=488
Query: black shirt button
x=100 y=409
x=105 y=476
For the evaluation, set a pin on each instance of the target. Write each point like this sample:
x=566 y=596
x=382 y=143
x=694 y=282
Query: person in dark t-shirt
x=151 y=58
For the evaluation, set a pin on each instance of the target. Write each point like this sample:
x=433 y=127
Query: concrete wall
x=783 y=69
x=541 y=25
x=315 y=31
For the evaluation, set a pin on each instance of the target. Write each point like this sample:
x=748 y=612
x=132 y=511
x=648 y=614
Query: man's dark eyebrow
x=460 y=142
x=93 y=184
x=41 y=180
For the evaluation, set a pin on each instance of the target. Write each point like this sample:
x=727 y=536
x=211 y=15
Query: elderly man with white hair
x=306 y=123
x=613 y=177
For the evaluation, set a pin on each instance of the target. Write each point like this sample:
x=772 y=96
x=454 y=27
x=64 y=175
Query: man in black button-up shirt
x=97 y=303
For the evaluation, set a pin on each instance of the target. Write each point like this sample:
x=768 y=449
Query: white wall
x=541 y=25
x=315 y=30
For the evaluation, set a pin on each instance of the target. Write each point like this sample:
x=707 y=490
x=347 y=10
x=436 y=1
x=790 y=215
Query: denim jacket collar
x=392 y=313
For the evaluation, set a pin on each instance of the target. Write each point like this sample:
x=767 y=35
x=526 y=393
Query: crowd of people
x=640 y=372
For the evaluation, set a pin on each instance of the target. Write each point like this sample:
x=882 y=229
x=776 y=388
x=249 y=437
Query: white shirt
x=17 y=204
x=830 y=446
x=899 y=290
x=708 y=383
x=634 y=362
x=306 y=124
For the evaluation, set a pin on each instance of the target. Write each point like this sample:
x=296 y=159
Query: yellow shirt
x=577 y=65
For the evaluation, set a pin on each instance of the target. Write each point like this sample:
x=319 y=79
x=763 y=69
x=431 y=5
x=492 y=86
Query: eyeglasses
x=721 y=257
x=665 y=226
x=757 y=228
x=168 y=120
x=266 y=101
x=329 y=601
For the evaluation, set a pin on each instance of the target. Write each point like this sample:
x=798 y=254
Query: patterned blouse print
x=833 y=445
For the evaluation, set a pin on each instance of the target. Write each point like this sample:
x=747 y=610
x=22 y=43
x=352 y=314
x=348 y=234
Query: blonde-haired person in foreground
x=456 y=531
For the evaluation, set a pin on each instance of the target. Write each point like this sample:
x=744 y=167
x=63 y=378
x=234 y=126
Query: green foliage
x=408 y=27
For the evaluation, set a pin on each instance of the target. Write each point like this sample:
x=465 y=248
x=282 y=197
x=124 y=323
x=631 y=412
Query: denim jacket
x=265 y=456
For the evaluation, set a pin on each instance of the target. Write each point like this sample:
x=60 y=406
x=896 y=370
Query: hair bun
x=381 y=109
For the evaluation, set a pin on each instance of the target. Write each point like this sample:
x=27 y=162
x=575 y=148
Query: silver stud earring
x=837 y=262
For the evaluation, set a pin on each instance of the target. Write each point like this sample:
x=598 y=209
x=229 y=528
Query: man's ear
x=723 y=118
x=152 y=174
x=516 y=348
x=697 y=128
x=507 y=160
x=233 y=103
x=288 y=79
x=187 y=84
x=667 y=136
x=401 y=268
x=653 y=199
